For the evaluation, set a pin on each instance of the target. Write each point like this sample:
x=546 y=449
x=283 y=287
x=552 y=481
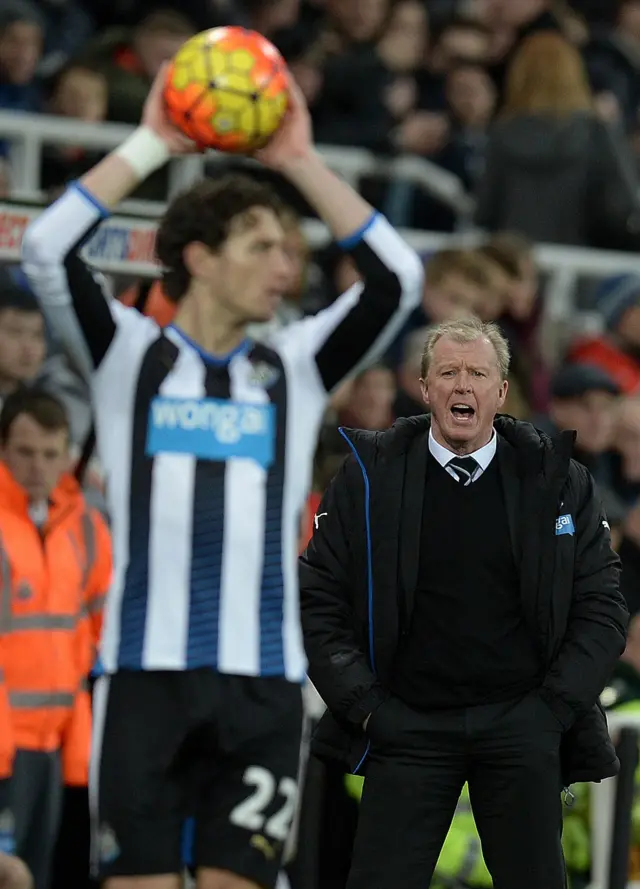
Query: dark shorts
x=173 y=746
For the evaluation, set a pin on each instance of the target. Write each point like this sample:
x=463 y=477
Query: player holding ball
x=207 y=440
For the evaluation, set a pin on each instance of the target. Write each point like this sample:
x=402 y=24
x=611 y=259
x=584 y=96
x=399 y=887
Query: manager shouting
x=462 y=613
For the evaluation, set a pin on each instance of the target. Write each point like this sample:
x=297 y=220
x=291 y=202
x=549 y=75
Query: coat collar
x=536 y=452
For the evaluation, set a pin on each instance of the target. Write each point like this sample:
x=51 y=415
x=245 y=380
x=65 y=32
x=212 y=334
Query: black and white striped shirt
x=208 y=460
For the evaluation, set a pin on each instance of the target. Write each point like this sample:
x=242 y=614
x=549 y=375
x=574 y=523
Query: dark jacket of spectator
x=554 y=171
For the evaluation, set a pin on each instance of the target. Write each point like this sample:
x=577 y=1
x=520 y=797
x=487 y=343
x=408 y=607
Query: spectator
x=512 y=22
x=611 y=55
x=356 y=21
x=456 y=282
x=80 y=92
x=21 y=38
x=627 y=444
x=409 y=401
x=585 y=399
x=24 y=359
x=22 y=337
x=268 y=17
x=471 y=98
x=57 y=561
x=554 y=171
x=503 y=273
x=457 y=41
x=371 y=89
x=132 y=60
x=521 y=315
x=67 y=28
x=371 y=400
x=616 y=350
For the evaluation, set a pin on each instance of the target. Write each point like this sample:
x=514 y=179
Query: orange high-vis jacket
x=155 y=303
x=53 y=582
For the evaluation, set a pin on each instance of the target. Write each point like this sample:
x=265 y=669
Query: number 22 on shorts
x=249 y=814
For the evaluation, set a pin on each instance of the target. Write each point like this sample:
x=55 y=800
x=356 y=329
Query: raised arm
x=360 y=325
x=74 y=299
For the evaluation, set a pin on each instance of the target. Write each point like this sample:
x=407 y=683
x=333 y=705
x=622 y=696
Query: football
x=227 y=88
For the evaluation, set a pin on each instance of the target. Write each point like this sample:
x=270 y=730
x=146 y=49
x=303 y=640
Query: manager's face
x=464 y=390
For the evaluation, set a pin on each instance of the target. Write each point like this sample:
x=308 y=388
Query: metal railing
x=116 y=247
x=28 y=133
x=602 y=806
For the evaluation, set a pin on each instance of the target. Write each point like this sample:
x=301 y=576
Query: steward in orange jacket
x=54 y=575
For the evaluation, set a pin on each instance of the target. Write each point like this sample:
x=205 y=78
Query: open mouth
x=462 y=412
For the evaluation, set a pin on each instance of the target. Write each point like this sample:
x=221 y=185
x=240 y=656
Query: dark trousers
x=510 y=755
x=36 y=802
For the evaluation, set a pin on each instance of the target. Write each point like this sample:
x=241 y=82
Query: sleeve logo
x=564 y=525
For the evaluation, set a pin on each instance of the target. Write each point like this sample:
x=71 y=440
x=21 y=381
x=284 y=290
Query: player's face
x=35 y=456
x=252 y=270
x=464 y=391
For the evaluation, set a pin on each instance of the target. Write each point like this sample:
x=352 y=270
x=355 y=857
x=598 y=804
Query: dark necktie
x=465 y=468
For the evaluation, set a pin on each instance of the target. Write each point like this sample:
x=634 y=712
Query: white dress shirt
x=483 y=456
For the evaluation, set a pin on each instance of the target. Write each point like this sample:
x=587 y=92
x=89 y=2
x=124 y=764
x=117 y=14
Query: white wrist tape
x=144 y=151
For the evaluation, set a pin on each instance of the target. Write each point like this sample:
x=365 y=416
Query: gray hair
x=467 y=330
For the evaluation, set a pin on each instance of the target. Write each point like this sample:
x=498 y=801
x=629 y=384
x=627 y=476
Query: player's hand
x=292 y=142
x=155 y=117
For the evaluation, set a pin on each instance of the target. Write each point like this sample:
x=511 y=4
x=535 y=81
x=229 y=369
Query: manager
x=462 y=613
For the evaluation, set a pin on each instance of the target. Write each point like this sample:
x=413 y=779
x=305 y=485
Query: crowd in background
x=533 y=104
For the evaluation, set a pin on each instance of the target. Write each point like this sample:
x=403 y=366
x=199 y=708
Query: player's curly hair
x=205 y=213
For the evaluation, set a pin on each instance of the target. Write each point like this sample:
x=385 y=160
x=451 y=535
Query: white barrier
x=27 y=134
x=125 y=245
x=603 y=797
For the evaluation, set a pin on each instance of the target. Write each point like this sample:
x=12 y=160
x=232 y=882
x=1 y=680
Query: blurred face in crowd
x=359 y=20
x=403 y=44
x=493 y=298
x=513 y=13
x=629 y=19
x=460 y=44
x=372 y=397
x=82 y=94
x=471 y=95
x=627 y=438
x=454 y=296
x=592 y=415
x=464 y=390
x=277 y=15
x=155 y=47
x=35 y=456
x=20 y=50
x=523 y=291
x=22 y=347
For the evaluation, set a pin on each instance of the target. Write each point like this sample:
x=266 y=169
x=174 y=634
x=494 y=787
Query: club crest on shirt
x=263 y=374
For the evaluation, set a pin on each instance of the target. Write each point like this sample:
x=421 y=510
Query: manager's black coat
x=359 y=575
